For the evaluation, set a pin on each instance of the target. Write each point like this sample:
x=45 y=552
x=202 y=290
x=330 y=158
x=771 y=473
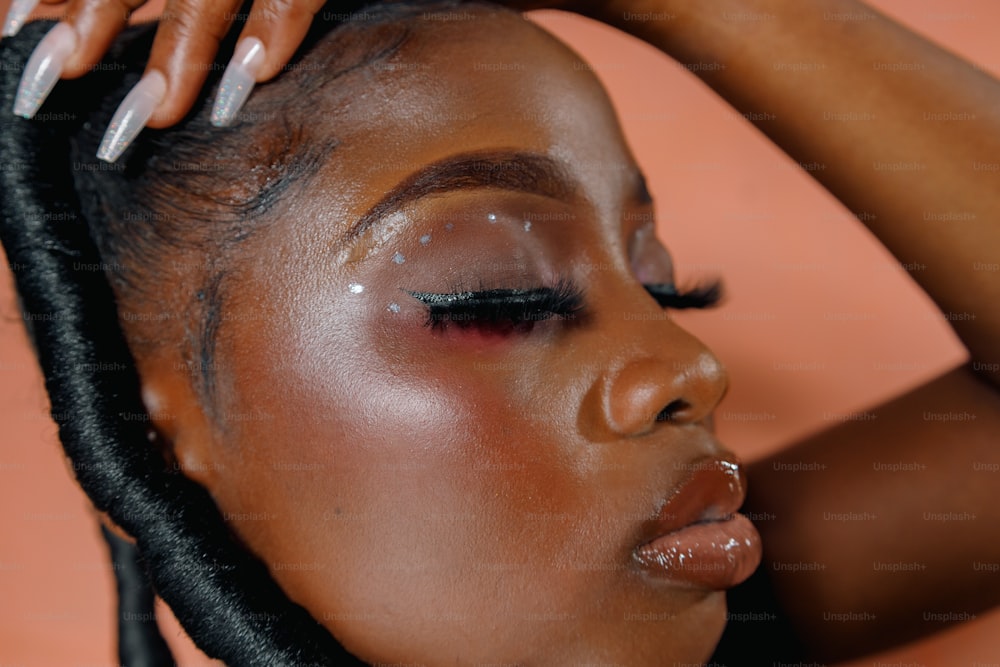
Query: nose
x=681 y=383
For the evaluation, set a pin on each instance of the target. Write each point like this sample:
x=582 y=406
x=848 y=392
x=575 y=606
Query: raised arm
x=884 y=529
x=919 y=163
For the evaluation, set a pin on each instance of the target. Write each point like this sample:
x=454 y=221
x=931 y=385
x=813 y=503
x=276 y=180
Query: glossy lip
x=697 y=538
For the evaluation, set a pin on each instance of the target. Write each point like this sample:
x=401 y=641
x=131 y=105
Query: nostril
x=670 y=411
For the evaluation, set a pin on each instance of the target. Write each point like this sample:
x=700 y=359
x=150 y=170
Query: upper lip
x=712 y=490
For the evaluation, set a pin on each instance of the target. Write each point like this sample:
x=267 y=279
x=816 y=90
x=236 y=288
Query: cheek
x=375 y=489
x=409 y=493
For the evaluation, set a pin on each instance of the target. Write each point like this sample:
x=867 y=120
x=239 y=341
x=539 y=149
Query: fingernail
x=19 y=10
x=43 y=69
x=238 y=81
x=132 y=115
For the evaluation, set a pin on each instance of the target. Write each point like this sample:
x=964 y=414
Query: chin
x=714 y=623
x=689 y=639
x=696 y=635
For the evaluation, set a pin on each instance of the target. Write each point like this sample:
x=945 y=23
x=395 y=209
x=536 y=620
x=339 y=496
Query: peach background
x=807 y=286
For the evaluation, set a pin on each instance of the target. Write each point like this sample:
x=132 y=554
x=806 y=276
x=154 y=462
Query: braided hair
x=85 y=239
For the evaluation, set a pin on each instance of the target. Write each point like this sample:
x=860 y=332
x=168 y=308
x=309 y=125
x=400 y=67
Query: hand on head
x=184 y=51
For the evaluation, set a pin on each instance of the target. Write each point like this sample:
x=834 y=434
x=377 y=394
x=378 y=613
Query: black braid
x=222 y=595
x=139 y=641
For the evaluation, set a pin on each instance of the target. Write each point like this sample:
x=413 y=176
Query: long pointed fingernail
x=19 y=10
x=132 y=115
x=238 y=81
x=43 y=69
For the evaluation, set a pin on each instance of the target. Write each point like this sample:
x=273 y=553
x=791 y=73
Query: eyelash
x=517 y=310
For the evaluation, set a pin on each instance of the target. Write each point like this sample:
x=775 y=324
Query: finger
x=184 y=50
x=19 y=11
x=42 y=70
x=273 y=32
x=281 y=25
x=132 y=115
x=71 y=48
x=96 y=24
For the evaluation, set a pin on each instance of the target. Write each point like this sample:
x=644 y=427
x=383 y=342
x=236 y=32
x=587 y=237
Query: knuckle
x=280 y=11
x=185 y=21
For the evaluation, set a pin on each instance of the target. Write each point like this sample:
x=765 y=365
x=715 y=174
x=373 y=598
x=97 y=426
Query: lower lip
x=715 y=555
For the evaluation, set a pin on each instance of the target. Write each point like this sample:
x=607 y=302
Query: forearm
x=895 y=515
x=903 y=133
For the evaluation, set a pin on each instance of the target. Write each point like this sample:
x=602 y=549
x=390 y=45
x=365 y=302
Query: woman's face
x=445 y=480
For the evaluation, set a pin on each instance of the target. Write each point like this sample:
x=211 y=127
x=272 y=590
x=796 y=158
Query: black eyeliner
x=510 y=310
x=512 y=307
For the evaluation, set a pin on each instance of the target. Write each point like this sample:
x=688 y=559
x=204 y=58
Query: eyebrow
x=516 y=171
x=504 y=170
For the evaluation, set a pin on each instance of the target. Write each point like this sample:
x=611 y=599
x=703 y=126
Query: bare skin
x=931 y=170
x=934 y=172
x=416 y=484
x=187 y=40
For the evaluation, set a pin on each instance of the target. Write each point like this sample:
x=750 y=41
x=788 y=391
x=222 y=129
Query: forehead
x=473 y=80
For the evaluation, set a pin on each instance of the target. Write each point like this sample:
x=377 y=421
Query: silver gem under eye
x=425 y=239
x=355 y=288
x=393 y=308
x=527 y=225
x=492 y=217
x=398 y=258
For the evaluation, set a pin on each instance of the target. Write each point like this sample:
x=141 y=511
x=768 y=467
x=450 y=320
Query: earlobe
x=179 y=427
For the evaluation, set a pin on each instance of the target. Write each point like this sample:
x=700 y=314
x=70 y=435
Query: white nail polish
x=238 y=81
x=19 y=10
x=43 y=69
x=132 y=115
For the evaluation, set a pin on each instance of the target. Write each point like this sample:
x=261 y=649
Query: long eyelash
x=498 y=308
x=705 y=295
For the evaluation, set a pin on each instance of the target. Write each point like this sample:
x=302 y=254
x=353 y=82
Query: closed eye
x=502 y=310
x=706 y=295
x=509 y=311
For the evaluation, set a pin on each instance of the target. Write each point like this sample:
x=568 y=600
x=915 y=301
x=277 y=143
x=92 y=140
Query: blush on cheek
x=455 y=330
x=482 y=332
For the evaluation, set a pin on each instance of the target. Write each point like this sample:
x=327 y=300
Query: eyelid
x=649 y=258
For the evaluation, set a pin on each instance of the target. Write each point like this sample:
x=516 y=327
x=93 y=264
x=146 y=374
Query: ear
x=179 y=423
